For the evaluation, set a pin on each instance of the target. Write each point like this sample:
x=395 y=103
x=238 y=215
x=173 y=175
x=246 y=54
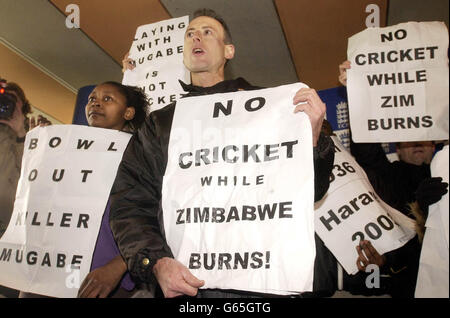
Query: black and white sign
x=66 y=176
x=157 y=50
x=238 y=191
x=398 y=83
x=351 y=211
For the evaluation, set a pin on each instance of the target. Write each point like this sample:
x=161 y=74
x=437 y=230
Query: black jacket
x=136 y=213
x=395 y=182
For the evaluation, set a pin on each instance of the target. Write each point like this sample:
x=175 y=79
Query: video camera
x=7 y=104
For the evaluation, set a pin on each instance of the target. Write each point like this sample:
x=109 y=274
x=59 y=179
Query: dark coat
x=136 y=213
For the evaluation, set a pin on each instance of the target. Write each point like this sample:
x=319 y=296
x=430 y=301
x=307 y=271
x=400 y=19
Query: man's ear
x=229 y=51
x=129 y=113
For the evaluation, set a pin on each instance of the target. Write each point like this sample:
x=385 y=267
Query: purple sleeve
x=106 y=249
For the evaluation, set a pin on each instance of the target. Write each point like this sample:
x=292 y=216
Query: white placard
x=66 y=176
x=351 y=211
x=433 y=277
x=238 y=191
x=157 y=50
x=398 y=83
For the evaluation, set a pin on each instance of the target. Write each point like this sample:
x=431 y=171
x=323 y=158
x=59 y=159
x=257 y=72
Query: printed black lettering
x=267 y=210
x=269 y=151
x=358 y=60
x=46 y=260
x=257 y=260
x=194 y=261
x=58 y=178
x=181 y=163
x=218 y=215
x=179 y=217
x=373 y=124
x=222 y=181
x=399 y=122
x=261 y=102
x=373 y=58
x=251 y=153
x=35 y=221
x=33 y=175
x=225 y=152
x=19 y=256
x=201 y=215
x=248 y=213
x=32 y=258
x=111 y=147
x=285 y=206
x=206 y=181
x=388 y=36
x=76 y=260
x=85 y=174
x=289 y=147
x=332 y=218
x=202 y=155
x=421 y=76
x=224 y=260
x=54 y=142
x=413 y=122
x=233 y=215
x=345 y=211
x=213 y=261
x=60 y=260
x=373 y=231
x=33 y=143
x=386 y=99
x=6 y=254
x=84 y=144
x=240 y=262
x=260 y=179
x=427 y=121
x=65 y=219
x=48 y=223
x=432 y=49
x=82 y=220
x=375 y=79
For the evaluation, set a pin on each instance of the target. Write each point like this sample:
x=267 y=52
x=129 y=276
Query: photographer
x=14 y=124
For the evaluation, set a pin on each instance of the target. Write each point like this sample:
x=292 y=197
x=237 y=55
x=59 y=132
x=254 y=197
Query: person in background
x=136 y=215
x=13 y=128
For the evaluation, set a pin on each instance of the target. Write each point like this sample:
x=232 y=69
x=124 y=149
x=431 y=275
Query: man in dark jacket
x=136 y=214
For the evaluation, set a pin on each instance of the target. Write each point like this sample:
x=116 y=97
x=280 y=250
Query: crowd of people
x=132 y=257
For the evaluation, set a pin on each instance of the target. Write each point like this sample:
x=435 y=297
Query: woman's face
x=107 y=108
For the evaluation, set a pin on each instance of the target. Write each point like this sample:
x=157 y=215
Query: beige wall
x=43 y=92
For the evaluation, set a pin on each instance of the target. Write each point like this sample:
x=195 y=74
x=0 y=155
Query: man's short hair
x=205 y=12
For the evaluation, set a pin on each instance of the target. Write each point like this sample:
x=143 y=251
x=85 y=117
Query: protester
x=136 y=215
x=328 y=283
x=111 y=105
x=399 y=184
